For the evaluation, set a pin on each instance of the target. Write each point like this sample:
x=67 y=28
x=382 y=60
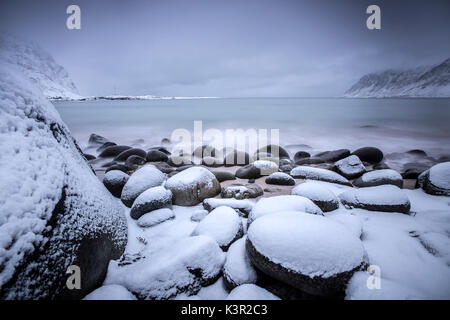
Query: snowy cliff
x=39 y=67
x=427 y=82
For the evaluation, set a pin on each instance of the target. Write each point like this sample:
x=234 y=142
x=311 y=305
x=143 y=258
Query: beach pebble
x=89 y=156
x=251 y=292
x=134 y=160
x=248 y=172
x=178 y=161
x=305 y=172
x=310 y=160
x=381 y=165
x=224 y=175
x=205 y=151
x=301 y=155
x=149 y=200
x=120 y=167
x=436 y=180
x=280 y=178
x=239 y=191
x=369 y=154
x=350 y=167
x=156 y=155
x=112 y=151
x=387 y=198
x=309 y=252
x=114 y=181
x=274 y=150
x=192 y=185
x=333 y=156
x=155 y=217
x=243 y=207
x=105 y=145
x=222 y=224
x=317 y=193
x=212 y=162
x=267 y=206
x=145 y=178
x=236 y=158
x=238 y=269
x=130 y=152
x=95 y=139
x=378 y=178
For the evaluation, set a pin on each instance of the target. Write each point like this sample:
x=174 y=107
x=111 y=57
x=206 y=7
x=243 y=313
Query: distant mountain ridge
x=38 y=66
x=427 y=82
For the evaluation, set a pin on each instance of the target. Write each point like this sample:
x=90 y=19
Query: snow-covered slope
x=428 y=82
x=38 y=66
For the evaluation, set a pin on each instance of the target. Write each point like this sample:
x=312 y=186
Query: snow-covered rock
x=317 y=193
x=114 y=181
x=155 y=217
x=192 y=186
x=388 y=198
x=280 y=178
x=51 y=79
x=266 y=167
x=243 y=207
x=199 y=215
x=433 y=81
x=251 y=292
x=304 y=172
x=182 y=266
x=309 y=252
x=257 y=169
x=145 y=178
x=222 y=224
x=149 y=200
x=239 y=191
x=238 y=269
x=54 y=212
x=350 y=167
x=436 y=180
x=276 y=204
x=379 y=177
x=110 y=292
x=352 y=222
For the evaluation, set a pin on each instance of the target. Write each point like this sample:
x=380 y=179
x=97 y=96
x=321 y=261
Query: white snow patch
x=238 y=268
x=155 y=217
x=110 y=292
x=314 y=191
x=251 y=292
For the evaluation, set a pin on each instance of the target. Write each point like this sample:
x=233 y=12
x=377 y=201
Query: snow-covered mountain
x=39 y=66
x=427 y=82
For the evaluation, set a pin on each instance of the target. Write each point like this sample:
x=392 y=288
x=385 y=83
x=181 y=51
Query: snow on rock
x=280 y=178
x=251 y=292
x=238 y=269
x=149 y=200
x=155 y=217
x=222 y=224
x=191 y=186
x=350 y=167
x=436 y=180
x=199 y=215
x=239 y=191
x=276 y=204
x=309 y=252
x=54 y=212
x=114 y=181
x=243 y=207
x=386 y=198
x=379 y=177
x=110 y=292
x=317 y=193
x=266 y=167
x=305 y=172
x=144 y=178
x=39 y=67
x=181 y=266
x=352 y=222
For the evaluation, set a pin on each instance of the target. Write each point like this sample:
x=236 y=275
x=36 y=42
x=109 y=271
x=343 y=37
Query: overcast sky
x=231 y=48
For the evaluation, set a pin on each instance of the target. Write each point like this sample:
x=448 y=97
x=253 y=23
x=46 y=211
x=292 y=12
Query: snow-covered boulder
x=276 y=204
x=192 y=186
x=309 y=252
x=317 y=193
x=350 y=167
x=54 y=212
x=280 y=178
x=222 y=224
x=110 y=292
x=304 y=172
x=251 y=292
x=238 y=269
x=239 y=191
x=114 y=181
x=155 y=217
x=436 y=180
x=149 y=200
x=378 y=178
x=145 y=178
x=243 y=207
x=199 y=215
x=386 y=198
x=257 y=169
x=183 y=266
